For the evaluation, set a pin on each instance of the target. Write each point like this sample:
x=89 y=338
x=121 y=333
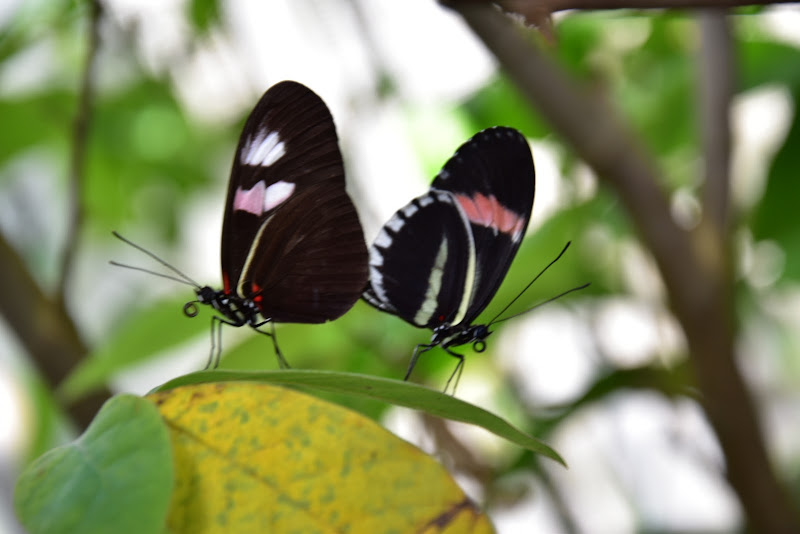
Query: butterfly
x=292 y=246
x=439 y=260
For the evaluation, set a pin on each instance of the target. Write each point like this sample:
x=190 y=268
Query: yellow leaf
x=257 y=458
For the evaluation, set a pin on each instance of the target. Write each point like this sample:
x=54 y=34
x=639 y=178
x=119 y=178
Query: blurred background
x=124 y=115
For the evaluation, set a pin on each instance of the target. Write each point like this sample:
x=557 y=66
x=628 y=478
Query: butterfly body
x=234 y=310
x=439 y=260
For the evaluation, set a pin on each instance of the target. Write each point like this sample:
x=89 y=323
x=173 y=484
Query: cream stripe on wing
x=250 y=254
x=431 y=300
x=471 y=277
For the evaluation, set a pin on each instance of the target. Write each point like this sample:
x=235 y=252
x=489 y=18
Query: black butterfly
x=292 y=246
x=439 y=260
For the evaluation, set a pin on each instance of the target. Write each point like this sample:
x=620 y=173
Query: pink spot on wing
x=489 y=212
x=250 y=200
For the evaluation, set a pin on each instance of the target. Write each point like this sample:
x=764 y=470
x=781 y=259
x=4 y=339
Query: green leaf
x=765 y=62
x=500 y=103
x=204 y=14
x=117 y=477
x=396 y=392
x=39 y=121
x=773 y=219
x=146 y=158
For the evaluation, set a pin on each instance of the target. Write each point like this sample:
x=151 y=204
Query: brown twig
x=561 y=5
x=691 y=264
x=535 y=10
x=77 y=166
x=716 y=66
x=45 y=329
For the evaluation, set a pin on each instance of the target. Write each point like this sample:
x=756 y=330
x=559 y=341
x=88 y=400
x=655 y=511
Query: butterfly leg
x=456 y=372
x=281 y=360
x=418 y=350
x=278 y=354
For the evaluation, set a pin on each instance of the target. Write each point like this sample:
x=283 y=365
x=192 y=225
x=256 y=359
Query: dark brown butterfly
x=292 y=246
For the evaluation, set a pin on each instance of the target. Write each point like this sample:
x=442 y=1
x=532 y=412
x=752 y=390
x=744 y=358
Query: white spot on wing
x=277 y=193
x=383 y=239
x=376 y=282
x=260 y=199
x=395 y=223
x=375 y=257
x=263 y=149
x=425 y=200
x=410 y=210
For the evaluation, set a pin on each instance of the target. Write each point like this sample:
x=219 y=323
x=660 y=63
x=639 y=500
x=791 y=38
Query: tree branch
x=533 y=10
x=45 y=329
x=716 y=66
x=77 y=165
x=698 y=284
x=561 y=5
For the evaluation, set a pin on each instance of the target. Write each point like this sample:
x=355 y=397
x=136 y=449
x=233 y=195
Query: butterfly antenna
x=494 y=319
x=551 y=299
x=148 y=271
x=183 y=278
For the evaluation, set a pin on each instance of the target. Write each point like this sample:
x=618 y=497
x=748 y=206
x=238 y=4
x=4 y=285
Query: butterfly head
x=477 y=335
x=448 y=335
x=205 y=295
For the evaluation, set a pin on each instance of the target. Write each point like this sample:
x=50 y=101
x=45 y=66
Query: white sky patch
x=782 y=22
x=550 y=195
x=627 y=330
x=760 y=120
x=549 y=351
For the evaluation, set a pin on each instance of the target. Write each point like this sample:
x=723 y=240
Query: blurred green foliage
x=147 y=159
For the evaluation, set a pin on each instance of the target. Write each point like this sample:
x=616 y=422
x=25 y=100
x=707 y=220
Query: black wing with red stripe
x=493 y=180
x=440 y=259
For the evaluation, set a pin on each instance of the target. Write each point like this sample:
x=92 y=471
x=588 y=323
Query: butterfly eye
x=190 y=309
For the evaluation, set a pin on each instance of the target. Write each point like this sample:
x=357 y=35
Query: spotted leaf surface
x=259 y=458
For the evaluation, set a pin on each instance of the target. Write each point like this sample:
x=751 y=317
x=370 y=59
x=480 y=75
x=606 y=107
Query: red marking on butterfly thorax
x=226 y=283
x=489 y=212
x=257 y=296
